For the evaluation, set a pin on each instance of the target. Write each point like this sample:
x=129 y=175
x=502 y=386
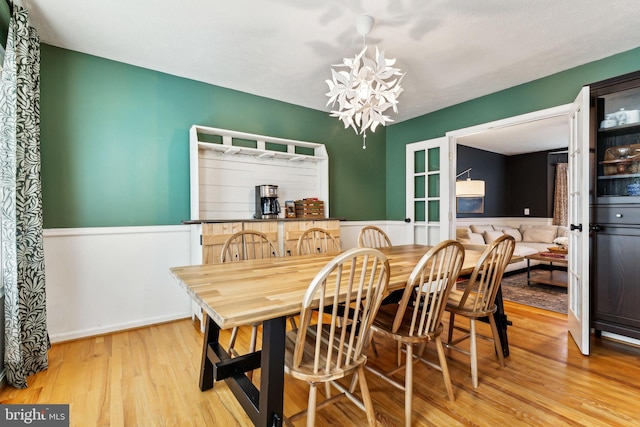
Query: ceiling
x=527 y=137
x=451 y=50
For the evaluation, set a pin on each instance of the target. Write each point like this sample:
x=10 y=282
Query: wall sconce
x=469 y=187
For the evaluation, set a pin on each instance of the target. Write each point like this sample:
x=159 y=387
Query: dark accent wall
x=491 y=168
x=512 y=183
x=527 y=185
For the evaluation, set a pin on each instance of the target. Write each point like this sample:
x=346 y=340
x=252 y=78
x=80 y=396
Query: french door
x=578 y=270
x=427 y=194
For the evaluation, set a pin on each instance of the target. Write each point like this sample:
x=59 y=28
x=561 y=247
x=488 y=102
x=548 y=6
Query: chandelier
x=366 y=88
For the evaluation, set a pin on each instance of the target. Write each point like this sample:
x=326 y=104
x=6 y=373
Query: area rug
x=515 y=289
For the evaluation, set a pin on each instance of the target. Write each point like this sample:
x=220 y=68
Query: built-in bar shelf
x=231 y=142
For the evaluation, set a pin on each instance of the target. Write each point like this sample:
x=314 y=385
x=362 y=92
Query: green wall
x=115 y=138
x=115 y=143
x=551 y=91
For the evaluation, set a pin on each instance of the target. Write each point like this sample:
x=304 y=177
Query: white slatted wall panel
x=227 y=182
x=224 y=176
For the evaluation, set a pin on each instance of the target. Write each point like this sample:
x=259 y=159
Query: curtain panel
x=26 y=337
x=561 y=195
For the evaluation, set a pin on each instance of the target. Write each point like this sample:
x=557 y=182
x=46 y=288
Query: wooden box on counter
x=309 y=208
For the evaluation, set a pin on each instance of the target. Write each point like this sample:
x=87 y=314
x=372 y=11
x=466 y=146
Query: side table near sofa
x=555 y=277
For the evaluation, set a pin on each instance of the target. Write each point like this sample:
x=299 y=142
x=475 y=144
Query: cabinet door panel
x=292 y=231
x=617 y=289
x=213 y=237
x=270 y=228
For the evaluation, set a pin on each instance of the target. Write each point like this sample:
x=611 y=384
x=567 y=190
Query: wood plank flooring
x=149 y=377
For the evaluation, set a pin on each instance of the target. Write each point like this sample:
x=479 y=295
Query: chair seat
x=383 y=323
x=305 y=371
x=453 y=304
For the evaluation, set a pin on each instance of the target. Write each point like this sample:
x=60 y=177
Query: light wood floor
x=149 y=377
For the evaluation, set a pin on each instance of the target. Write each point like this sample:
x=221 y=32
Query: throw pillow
x=539 y=235
x=513 y=232
x=490 y=236
x=481 y=228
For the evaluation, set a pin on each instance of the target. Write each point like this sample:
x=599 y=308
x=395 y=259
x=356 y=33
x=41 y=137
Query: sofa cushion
x=514 y=233
x=490 y=236
x=476 y=238
x=481 y=228
x=538 y=234
x=523 y=250
x=553 y=228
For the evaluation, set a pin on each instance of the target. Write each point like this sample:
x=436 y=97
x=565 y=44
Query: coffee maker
x=267 y=205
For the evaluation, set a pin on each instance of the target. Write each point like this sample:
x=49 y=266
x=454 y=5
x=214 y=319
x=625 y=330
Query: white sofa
x=530 y=238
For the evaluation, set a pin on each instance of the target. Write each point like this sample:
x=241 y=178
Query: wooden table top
x=556 y=260
x=247 y=292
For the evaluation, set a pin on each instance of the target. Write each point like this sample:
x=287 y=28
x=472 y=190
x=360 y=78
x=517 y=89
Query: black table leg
x=272 y=372
x=264 y=406
x=502 y=322
x=211 y=335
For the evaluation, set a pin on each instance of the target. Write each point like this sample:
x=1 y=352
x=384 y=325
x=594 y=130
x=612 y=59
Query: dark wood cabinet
x=615 y=209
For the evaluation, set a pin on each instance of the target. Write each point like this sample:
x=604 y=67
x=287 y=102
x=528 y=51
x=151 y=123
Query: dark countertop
x=215 y=221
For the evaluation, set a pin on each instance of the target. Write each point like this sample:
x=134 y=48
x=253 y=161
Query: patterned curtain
x=561 y=196
x=26 y=337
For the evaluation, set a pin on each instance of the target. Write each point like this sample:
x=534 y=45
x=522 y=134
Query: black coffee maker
x=267 y=205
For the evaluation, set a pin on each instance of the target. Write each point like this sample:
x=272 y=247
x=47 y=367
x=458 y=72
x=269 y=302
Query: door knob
x=407 y=220
x=575 y=227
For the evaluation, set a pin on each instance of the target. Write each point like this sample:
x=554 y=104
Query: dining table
x=267 y=291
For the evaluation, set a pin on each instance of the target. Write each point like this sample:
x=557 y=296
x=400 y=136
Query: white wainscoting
x=101 y=280
x=396 y=230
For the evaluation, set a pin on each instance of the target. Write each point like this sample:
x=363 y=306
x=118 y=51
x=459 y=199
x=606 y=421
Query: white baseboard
x=116 y=327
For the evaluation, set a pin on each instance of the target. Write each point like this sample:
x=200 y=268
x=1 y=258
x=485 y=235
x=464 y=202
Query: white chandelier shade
x=363 y=89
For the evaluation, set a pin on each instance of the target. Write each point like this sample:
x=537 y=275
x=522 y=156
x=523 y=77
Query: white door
x=427 y=203
x=579 y=160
